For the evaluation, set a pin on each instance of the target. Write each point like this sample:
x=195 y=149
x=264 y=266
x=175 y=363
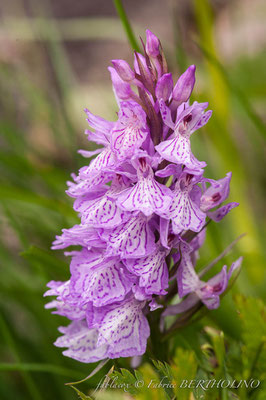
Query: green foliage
x=217 y=368
x=39 y=141
x=81 y=395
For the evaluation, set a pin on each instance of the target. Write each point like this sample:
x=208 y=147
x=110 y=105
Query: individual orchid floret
x=216 y=193
x=132 y=239
x=130 y=130
x=147 y=195
x=123 y=327
x=208 y=292
x=101 y=283
x=152 y=271
x=124 y=71
x=177 y=148
x=184 y=210
x=152 y=44
x=183 y=87
x=122 y=89
x=164 y=87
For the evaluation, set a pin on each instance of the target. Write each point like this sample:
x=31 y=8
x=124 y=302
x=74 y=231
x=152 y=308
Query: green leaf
x=126 y=380
x=184 y=368
x=34 y=367
x=165 y=373
x=81 y=395
x=45 y=257
x=252 y=313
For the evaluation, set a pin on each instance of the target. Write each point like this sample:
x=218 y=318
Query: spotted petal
x=85 y=186
x=78 y=235
x=81 y=342
x=101 y=283
x=106 y=159
x=216 y=193
x=178 y=150
x=152 y=271
x=66 y=304
x=101 y=213
x=185 y=214
x=221 y=212
x=124 y=328
x=130 y=130
x=131 y=240
x=147 y=196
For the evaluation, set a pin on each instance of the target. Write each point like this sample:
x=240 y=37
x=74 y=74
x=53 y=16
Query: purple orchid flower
x=208 y=292
x=143 y=203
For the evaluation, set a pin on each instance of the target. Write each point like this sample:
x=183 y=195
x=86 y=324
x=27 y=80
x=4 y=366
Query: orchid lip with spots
x=144 y=205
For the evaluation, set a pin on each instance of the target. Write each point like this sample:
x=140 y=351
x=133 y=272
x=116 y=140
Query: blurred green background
x=53 y=64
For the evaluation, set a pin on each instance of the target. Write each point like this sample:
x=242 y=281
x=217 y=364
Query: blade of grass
x=239 y=94
x=126 y=24
x=29 y=382
x=34 y=367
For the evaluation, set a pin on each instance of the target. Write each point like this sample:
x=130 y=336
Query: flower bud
x=184 y=85
x=152 y=44
x=123 y=69
x=164 y=87
x=122 y=89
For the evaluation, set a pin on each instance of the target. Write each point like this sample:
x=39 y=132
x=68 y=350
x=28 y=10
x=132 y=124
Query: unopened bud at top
x=184 y=85
x=122 y=89
x=152 y=44
x=164 y=87
x=123 y=69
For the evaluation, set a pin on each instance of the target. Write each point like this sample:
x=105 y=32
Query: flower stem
x=126 y=24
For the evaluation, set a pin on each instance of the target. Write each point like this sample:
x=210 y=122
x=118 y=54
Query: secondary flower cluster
x=143 y=203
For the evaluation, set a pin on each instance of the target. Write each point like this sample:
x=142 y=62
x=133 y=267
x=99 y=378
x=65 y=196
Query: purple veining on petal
x=84 y=186
x=136 y=223
x=184 y=211
x=152 y=271
x=147 y=195
x=221 y=212
x=99 y=280
x=123 y=327
x=101 y=213
x=177 y=148
x=216 y=193
x=130 y=131
x=81 y=342
x=133 y=239
x=78 y=235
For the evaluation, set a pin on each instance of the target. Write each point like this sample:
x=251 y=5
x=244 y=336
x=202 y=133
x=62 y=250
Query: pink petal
x=147 y=196
x=132 y=240
x=82 y=343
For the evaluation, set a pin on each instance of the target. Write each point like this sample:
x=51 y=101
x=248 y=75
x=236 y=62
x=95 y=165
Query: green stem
x=159 y=351
x=126 y=24
x=256 y=358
